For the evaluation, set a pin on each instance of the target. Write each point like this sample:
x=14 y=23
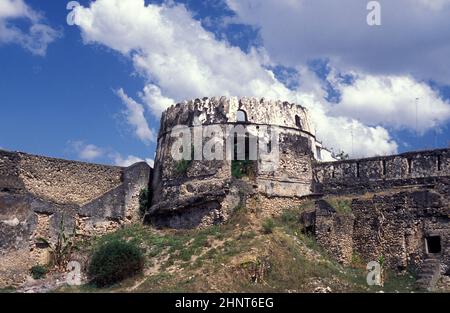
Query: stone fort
x=396 y=207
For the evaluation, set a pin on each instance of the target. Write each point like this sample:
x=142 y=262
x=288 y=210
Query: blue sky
x=60 y=96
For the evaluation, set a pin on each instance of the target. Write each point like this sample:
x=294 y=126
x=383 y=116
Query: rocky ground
x=247 y=254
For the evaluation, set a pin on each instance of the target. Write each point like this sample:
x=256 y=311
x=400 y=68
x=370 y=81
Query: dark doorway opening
x=298 y=122
x=433 y=244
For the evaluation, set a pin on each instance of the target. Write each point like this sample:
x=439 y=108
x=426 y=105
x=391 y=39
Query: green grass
x=342 y=206
x=228 y=257
x=268 y=225
x=182 y=166
x=7 y=290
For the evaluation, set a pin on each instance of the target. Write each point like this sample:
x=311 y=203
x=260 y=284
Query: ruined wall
x=378 y=173
x=334 y=231
x=66 y=182
x=397 y=226
x=397 y=203
x=205 y=190
x=36 y=193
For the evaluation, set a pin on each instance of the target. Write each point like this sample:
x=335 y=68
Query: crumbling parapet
x=383 y=172
x=180 y=186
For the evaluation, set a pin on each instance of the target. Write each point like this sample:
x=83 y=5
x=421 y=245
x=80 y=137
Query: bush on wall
x=144 y=200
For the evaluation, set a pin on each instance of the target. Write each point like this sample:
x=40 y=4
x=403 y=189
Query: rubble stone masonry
x=36 y=193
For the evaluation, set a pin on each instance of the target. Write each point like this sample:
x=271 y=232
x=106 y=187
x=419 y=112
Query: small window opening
x=357 y=169
x=235 y=150
x=42 y=245
x=439 y=165
x=383 y=165
x=433 y=244
x=332 y=172
x=247 y=147
x=241 y=116
x=298 y=121
x=319 y=154
x=241 y=167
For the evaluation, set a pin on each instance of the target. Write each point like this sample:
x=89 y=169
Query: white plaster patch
x=12 y=222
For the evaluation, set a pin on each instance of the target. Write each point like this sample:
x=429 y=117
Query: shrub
x=241 y=168
x=61 y=250
x=144 y=201
x=115 y=261
x=342 y=206
x=38 y=271
x=182 y=166
x=268 y=225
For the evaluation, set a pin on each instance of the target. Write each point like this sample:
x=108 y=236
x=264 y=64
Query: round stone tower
x=212 y=152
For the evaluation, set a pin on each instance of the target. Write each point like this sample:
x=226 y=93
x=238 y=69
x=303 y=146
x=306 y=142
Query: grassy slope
x=239 y=256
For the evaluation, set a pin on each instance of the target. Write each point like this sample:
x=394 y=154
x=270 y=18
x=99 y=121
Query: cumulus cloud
x=395 y=101
x=136 y=118
x=341 y=133
x=413 y=37
x=179 y=59
x=155 y=101
x=38 y=35
x=87 y=152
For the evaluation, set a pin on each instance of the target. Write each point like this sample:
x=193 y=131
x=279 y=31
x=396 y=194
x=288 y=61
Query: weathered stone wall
x=201 y=193
x=66 y=182
x=36 y=193
x=378 y=173
x=397 y=202
x=396 y=226
x=334 y=231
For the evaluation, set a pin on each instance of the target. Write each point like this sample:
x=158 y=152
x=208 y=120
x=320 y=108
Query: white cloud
x=391 y=101
x=136 y=118
x=38 y=36
x=88 y=152
x=179 y=60
x=413 y=38
x=155 y=101
x=129 y=160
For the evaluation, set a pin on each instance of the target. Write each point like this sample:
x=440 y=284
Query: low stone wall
x=397 y=202
x=37 y=193
x=378 y=173
x=392 y=225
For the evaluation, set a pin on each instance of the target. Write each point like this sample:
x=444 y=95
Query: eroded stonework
x=399 y=211
x=206 y=187
x=392 y=208
x=37 y=193
x=396 y=208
